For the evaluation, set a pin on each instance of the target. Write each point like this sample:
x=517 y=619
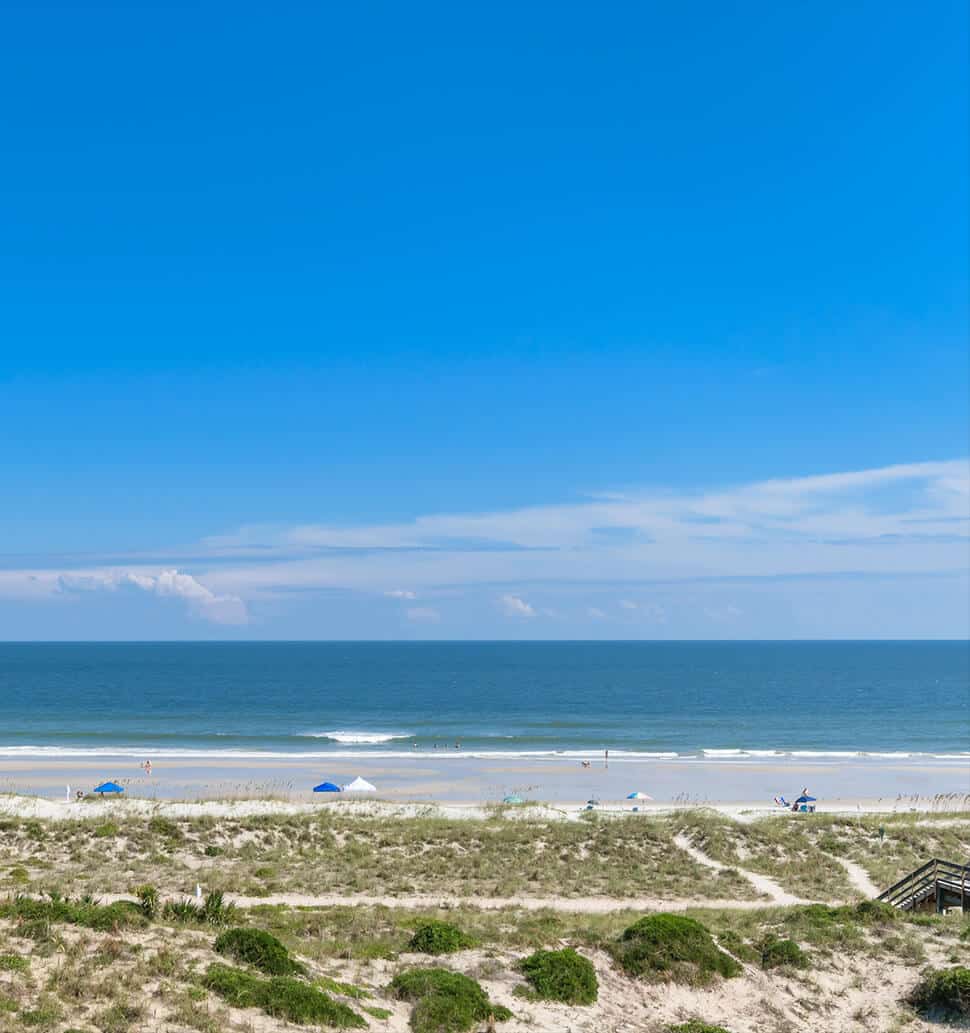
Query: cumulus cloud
x=423 y=613
x=400 y=593
x=513 y=606
x=169 y=584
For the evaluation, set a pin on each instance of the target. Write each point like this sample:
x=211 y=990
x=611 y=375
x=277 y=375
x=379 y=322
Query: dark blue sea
x=685 y=699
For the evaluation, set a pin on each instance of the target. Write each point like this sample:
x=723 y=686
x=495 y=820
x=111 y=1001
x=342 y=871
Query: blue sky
x=512 y=322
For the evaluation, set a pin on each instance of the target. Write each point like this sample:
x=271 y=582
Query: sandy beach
x=842 y=785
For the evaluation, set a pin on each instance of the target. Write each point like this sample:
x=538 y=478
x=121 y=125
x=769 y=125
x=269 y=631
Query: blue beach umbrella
x=326 y=787
x=638 y=796
x=805 y=799
x=109 y=787
x=512 y=799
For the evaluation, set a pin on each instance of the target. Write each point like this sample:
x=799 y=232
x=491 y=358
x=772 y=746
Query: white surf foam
x=352 y=738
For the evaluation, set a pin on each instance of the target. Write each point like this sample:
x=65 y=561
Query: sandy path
x=858 y=876
x=762 y=883
x=428 y=901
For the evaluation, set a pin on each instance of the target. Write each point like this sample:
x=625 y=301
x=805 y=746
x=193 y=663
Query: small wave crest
x=353 y=738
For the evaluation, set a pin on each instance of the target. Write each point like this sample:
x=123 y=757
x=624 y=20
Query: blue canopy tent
x=327 y=787
x=805 y=799
x=514 y=798
x=109 y=787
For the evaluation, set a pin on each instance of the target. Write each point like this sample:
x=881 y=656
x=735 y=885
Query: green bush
x=674 y=946
x=436 y=937
x=775 y=953
x=213 y=911
x=561 y=975
x=444 y=1002
x=943 y=993
x=148 y=902
x=14 y=963
x=257 y=948
x=102 y=918
x=281 y=997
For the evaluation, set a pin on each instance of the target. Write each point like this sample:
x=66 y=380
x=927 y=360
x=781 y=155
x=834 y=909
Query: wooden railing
x=929 y=878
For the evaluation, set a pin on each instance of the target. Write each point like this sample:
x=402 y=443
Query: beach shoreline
x=475 y=782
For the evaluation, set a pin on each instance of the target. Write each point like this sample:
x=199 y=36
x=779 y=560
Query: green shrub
x=106 y=830
x=148 y=902
x=165 y=827
x=258 y=948
x=103 y=918
x=943 y=993
x=212 y=851
x=436 y=937
x=775 y=953
x=14 y=963
x=281 y=997
x=444 y=1002
x=561 y=975
x=213 y=911
x=672 y=945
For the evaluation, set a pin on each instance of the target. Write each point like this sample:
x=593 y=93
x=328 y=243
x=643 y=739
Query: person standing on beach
x=606 y=757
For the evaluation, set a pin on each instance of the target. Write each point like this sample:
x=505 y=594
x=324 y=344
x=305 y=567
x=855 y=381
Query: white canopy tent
x=360 y=785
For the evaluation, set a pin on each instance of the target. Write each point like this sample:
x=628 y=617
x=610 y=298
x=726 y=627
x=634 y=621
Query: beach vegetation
x=445 y=1001
x=943 y=994
x=166 y=828
x=120 y=1017
x=280 y=996
x=148 y=902
x=437 y=937
x=212 y=911
x=776 y=953
x=674 y=947
x=14 y=963
x=561 y=975
x=376 y=1012
x=45 y=1015
x=31 y=912
x=334 y=986
x=258 y=948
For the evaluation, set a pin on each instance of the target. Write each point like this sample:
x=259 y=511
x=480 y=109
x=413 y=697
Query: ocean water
x=716 y=700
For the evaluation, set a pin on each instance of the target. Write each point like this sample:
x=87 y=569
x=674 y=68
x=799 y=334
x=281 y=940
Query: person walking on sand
x=148 y=768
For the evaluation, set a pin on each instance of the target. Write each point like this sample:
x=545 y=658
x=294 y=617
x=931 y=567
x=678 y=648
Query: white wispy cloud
x=595 y=612
x=513 y=606
x=902 y=520
x=201 y=601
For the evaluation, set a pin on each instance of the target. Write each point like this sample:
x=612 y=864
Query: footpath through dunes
x=762 y=883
